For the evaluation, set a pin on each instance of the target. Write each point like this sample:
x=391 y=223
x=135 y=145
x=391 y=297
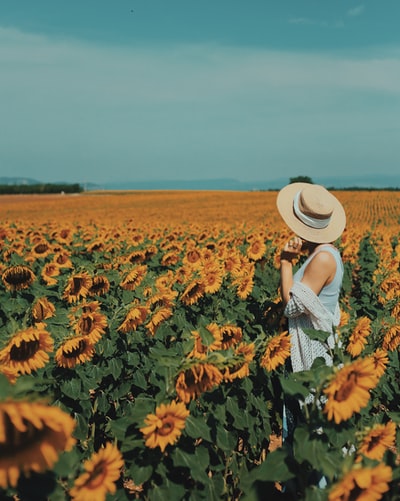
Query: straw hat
x=312 y=212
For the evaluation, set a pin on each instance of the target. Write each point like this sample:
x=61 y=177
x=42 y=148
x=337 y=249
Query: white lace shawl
x=305 y=311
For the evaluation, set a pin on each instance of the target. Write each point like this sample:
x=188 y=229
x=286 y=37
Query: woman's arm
x=290 y=252
x=320 y=271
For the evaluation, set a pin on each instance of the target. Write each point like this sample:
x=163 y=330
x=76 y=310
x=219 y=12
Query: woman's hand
x=292 y=249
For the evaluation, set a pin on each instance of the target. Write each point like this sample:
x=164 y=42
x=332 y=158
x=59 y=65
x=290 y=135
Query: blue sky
x=125 y=90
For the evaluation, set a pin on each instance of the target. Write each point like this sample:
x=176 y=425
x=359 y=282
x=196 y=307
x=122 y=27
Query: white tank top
x=329 y=295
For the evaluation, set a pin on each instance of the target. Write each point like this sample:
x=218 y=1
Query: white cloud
x=356 y=11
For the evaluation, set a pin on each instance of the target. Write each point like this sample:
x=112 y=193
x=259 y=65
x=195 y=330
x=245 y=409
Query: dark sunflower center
x=355 y=493
x=76 y=351
x=98 y=285
x=41 y=248
x=86 y=325
x=166 y=427
x=24 y=351
x=77 y=284
x=97 y=476
x=18 y=276
x=347 y=388
x=17 y=440
x=373 y=442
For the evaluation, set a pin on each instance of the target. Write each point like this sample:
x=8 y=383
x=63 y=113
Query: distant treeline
x=28 y=189
x=361 y=188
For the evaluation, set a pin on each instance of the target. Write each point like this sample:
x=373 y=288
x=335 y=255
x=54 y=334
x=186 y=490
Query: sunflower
x=367 y=484
x=230 y=335
x=193 y=292
x=170 y=258
x=100 y=285
x=27 y=350
x=276 y=351
x=41 y=249
x=49 y=271
x=244 y=284
x=200 y=349
x=42 y=309
x=165 y=281
x=380 y=359
x=396 y=311
x=344 y=319
x=62 y=235
x=199 y=378
x=232 y=263
x=74 y=351
x=135 y=317
x=377 y=440
x=193 y=257
x=163 y=298
x=256 y=249
x=77 y=287
x=32 y=435
x=136 y=257
x=9 y=373
x=96 y=246
x=62 y=259
x=165 y=426
x=348 y=391
x=212 y=277
x=391 y=340
x=18 y=277
x=391 y=286
x=134 y=278
x=358 y=338
x=245 y=354
x=92 y=325
x=158 y=316
x=102 y=471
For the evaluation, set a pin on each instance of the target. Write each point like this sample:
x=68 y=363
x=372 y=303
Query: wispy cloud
x=307 y=21
x=356 y=11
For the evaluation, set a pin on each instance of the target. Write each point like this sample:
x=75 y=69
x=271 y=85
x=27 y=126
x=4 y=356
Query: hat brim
x=331 y=233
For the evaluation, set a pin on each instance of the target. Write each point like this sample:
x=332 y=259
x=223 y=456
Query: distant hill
x=18 y=180
x=228 y=184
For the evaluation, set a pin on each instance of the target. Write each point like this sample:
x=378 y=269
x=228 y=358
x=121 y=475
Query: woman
x=311 y=295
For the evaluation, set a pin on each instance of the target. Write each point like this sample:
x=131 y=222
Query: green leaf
x=139 y=380
x=141 y=407
x=167 y=490
x=226 y=439
x=317 y=335
x=140 y=474
x=196 y=427
x=67 y=463
x=72 y=388
x=81 y=430
x=197 y=463
x=274 y=469
x=314 y=449
x=115 y=365
x=293 y=387
x=118 y=427
x=206 y=336
x=215 y=488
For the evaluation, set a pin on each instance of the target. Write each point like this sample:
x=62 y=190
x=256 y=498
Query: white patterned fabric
x=305 y=311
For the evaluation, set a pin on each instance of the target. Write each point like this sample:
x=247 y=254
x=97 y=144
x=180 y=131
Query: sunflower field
x=143 y=351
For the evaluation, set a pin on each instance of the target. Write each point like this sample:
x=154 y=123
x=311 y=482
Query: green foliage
x=19 y=189
x=224 y=451
x=301 y=179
